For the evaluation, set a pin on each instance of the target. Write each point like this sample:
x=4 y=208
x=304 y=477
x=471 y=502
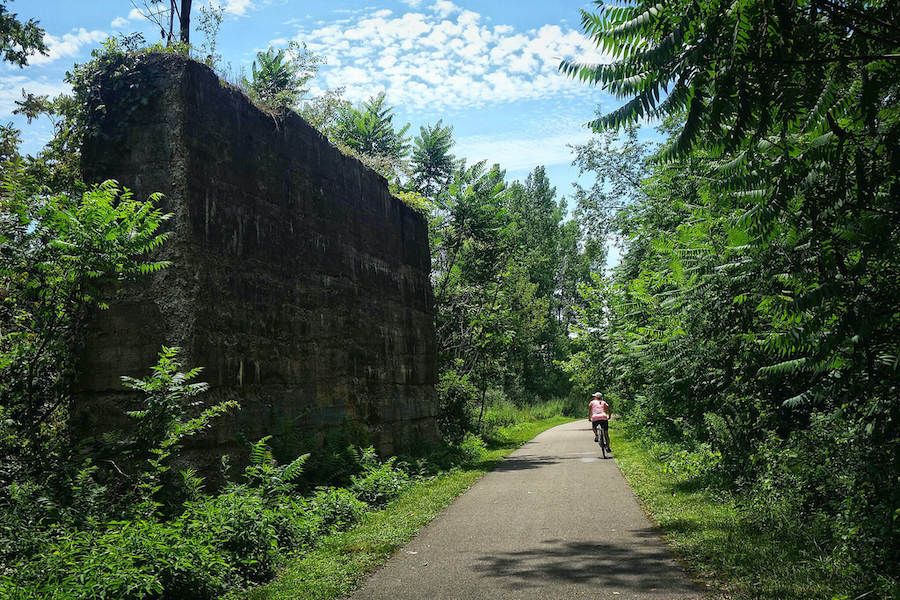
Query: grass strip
x=721 y=546
x=339 y=562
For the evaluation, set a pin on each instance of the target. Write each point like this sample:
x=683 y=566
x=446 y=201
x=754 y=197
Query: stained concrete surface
x=297 y=281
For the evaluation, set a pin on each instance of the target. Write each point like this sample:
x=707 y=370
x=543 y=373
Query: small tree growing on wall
x=278 y=78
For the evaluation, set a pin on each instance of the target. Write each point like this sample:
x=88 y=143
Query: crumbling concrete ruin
x=297 y=281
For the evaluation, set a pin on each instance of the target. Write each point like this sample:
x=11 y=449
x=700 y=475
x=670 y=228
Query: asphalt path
x=552 y=521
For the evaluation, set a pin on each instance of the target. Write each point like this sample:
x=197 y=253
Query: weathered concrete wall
x=298 y=282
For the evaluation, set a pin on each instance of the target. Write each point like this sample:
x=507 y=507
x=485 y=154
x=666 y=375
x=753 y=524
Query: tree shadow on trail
x=524 y=463
x=649 y=569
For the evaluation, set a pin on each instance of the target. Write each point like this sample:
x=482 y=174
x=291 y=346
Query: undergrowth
x=135 y=528
x=746 y=544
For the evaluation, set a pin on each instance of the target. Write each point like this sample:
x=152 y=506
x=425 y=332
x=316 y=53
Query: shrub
x=337 y=508
x=61 y=253
x=128 y=559
x=457 y=397
x=471 y=449
x=243 y=527
x=297 y=522
x=379 y=483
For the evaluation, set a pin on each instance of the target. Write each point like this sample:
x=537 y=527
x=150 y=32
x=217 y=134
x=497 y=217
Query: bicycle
x=602 y=439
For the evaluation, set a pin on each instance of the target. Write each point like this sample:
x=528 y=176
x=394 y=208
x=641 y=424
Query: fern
x=260 y=453
x=294 y=469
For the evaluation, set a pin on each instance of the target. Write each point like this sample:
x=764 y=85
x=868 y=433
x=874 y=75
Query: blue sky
x=487 y=68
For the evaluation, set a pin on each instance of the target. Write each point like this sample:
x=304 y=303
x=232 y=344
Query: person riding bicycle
x=599 y=417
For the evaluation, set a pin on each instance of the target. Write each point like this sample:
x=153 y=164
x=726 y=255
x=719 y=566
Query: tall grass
x=503 y=413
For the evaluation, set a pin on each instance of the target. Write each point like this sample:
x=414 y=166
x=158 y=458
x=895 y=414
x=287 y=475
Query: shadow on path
x=644 y=569
x=523 y=463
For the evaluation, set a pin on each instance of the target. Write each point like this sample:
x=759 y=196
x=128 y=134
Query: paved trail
x=553 y=521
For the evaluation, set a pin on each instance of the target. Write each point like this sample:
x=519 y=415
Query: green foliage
x=730 y=541
x=247 y=529
x=414 y=200
x=58 y=165
x=502 y=414
x=616 y=165
x=323 y=112
x=338 y=508
x=368 y=131
x=471 y=449
x=208 y=545
x=10 y=139
x=162 y=423
x=456 y=400
x=754 y=311
x=208 y=23
x=108 y=540
x=19 y=40
x=59 y=256
x=432 y=162
x=471 y=251
x=379 y=482
x=278 y=77
x=501 y=264
x=124 y=559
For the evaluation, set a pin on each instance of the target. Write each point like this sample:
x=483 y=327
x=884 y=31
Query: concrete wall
x=298 y=282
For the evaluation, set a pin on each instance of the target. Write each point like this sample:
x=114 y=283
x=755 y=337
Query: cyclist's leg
x=605 y=428
x=594 y=425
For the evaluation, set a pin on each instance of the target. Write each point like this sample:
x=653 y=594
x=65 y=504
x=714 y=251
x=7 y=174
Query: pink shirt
x=599 y=410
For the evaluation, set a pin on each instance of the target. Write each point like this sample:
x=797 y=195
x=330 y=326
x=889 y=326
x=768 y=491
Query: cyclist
x=599 y=417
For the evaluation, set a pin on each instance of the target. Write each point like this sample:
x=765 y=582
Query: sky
x=487 y=68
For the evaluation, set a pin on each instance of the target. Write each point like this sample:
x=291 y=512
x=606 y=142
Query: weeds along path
x=552 y=521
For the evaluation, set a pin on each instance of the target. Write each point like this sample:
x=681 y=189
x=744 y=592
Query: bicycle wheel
x=601 y=441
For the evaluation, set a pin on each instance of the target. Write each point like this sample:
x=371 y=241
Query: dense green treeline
x=754 y=320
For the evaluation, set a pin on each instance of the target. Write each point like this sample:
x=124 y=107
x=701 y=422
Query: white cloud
x=119 y=23
x=11 y=90
x=447 y=57
x=67 y=45
x=444 y=8
x=521 y=153
x=237 y=8
x=412 y=3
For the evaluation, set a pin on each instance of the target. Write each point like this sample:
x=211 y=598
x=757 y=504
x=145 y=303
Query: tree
x=368 y=130
x=323 y=111
x=59 y=256
x=432 y=162
x=277 y=78
x=470 y=244
x=616 y=165
x=10 y=139
x=19 y=40
x=765 y=269
x=540 y=338
x=211 y=17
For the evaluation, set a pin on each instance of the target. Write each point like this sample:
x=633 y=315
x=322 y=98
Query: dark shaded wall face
x=298 y=282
